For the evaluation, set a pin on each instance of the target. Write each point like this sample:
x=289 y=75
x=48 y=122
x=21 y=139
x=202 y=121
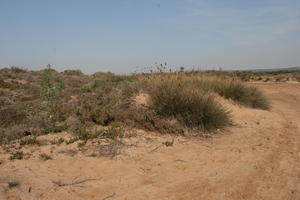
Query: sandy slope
x=257 y=158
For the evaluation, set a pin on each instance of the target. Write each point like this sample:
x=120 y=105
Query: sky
x=124 y=36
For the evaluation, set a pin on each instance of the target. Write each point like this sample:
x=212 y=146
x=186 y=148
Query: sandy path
x=258 y=158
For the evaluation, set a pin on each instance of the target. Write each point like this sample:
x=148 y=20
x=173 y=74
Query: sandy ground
x=257 y=158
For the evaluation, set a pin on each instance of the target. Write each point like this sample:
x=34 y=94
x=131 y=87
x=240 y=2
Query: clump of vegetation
x=55 y=129
x=193 y=108
x=13 y=184
x=17 y=155
x=72 y=140
x=4 y=84
x=111 y=133
x=48 y=90
x=246 y=95
x=81 y=144
x=45 y=157
x=168 y=143
x=73 y=72
x=52 y=102
x=58 y=142
x=29 y=141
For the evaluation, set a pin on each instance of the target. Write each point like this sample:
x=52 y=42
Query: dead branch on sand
x=74 y=182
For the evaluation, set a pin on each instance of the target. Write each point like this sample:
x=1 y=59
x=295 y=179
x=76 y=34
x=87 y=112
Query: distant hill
x=276 y=69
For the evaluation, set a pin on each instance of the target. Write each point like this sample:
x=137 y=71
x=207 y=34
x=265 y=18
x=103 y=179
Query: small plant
x=29 y=141
x=55 y=129
x=85 y=90
x=168 y=143
x=131 y=135
x=45 y=157
x=3 y=84
x=93 y=155
x=112 y=133
x=58 y=142
x=72 y=140
x=81 y=144
x=13 y=184
x=17 y=155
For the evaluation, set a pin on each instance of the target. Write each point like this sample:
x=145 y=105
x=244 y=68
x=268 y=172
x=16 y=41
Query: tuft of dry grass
x=192 y=107
x=29 y=141
x=243 y=94
x=45 y=157
x=17 y=155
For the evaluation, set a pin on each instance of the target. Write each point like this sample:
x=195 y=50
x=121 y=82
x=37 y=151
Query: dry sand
x=257 y=158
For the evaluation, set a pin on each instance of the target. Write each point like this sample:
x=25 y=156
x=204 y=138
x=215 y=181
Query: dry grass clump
x=192 y=107
x=73 y=72
x=237 y=91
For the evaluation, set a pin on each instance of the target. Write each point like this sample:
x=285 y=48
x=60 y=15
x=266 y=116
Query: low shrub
x=73 y=72
x=4 y=84
x=45 y=157
x=55 y=129
x=246 y=95
x=13 y=184
x=194 y=108
x=17 y=155
x=29 y=141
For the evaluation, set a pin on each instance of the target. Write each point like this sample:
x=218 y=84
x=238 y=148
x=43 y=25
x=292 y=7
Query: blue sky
x=124 y=35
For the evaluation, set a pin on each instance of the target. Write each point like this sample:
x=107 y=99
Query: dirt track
x=257 y=158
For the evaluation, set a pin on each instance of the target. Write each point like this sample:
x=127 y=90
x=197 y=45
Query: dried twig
x=61 y=184
x=156 y=148
x=109 y=196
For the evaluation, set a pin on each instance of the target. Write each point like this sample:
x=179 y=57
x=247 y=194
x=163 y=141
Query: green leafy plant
x=168 y=143
x=13 y=184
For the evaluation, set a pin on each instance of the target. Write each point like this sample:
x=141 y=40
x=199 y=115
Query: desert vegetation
x=48 y=101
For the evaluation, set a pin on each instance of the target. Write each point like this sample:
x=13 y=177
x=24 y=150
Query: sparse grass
x=177 y=101
x=111 y=133
x=73 y=73
x=131 y=134
x=55 y=129
x=45 y=157
x=85 y=90
x=58 y=142
x=18 y=155
x=81 y=144
x=29 y=141
x=72 y=140
x=4 y=84
x=13 y=184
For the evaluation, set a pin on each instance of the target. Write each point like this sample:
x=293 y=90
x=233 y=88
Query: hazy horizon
x=129 y=35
